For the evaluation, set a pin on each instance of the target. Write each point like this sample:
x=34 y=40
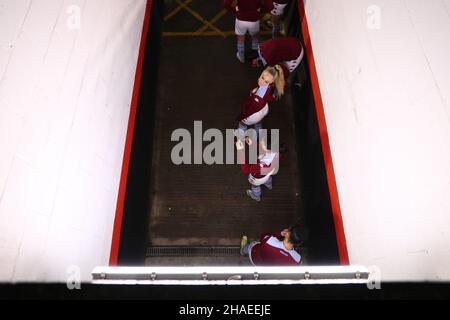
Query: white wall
x=386 y=96
x=64 y=105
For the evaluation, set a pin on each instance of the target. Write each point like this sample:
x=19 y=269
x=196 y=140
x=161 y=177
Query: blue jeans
x=257 y=191
x=243 y=127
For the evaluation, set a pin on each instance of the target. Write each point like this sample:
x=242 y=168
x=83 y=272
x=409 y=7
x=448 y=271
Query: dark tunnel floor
x=200 y=79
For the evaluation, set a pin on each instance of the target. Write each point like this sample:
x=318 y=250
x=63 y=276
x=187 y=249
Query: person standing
x=256 y=107
x=261 y=172
x=248 y=16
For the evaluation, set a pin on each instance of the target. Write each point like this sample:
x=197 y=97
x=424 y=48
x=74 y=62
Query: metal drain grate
x=192 y=251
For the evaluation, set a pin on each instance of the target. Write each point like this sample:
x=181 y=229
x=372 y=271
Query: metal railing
x=230 y=275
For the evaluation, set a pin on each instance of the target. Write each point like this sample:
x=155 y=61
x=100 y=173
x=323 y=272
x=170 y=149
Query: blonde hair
x=278 y=75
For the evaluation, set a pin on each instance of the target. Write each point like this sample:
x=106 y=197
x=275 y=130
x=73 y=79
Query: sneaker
x=268 y=186
x=241 y=59
x=244 y=242
x=251 y=195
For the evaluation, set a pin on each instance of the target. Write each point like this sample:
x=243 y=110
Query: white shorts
x=278 y=9
x=293 y=64
x=242 y=27
x=257 y=117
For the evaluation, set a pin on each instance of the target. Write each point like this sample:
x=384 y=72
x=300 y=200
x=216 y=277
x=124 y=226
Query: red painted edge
x=332 y=186
x=114 y=254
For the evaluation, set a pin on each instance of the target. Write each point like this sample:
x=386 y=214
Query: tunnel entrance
x=196 y=214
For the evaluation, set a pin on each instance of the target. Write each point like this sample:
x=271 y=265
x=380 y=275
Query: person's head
x=273 y=75
x=294 y=236
x=267 y=77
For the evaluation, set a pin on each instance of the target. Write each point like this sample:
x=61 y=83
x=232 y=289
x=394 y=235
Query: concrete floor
x=201 y=80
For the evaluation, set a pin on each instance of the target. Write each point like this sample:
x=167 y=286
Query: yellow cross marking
x=214 y=20
x=201 y=19
x=177 y=9
x=266 y=30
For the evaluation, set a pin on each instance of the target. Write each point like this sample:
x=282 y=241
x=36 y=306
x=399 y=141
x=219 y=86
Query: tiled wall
x=384 y=72
x=67 y=71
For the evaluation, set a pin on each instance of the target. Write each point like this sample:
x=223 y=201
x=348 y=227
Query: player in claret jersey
x=260 y=173
x=248 y=14
x=271 y=85
x=274 y=249
x=286 y=52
